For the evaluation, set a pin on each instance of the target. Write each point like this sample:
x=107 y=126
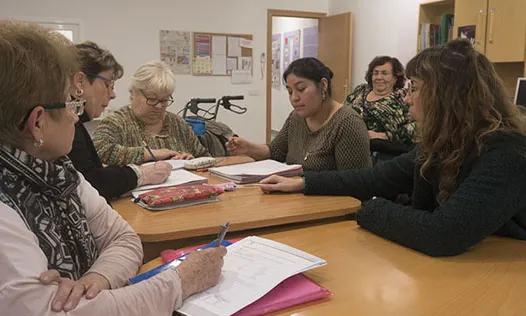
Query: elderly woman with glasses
x=94 y=84
x=63 y=250
x=119 y=138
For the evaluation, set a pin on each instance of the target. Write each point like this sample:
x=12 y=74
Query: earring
x=323 y=96
x=38 y=143
x=79 y=92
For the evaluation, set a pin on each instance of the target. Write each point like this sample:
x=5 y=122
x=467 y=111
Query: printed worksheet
x=253 y=267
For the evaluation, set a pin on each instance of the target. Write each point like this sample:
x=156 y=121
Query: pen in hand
x=222 y=233
x=149 y=150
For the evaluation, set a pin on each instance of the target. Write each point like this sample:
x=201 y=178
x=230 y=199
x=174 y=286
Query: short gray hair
x=154 y=76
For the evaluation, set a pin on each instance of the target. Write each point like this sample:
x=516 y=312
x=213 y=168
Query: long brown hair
x=463 y=100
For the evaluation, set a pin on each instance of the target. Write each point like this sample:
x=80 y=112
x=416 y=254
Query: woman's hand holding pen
x=201 y=270
x=154 y=173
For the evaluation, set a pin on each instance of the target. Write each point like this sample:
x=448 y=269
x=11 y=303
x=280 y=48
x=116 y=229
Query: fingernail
x=57 y=306
x=45 y=278
x=68 y=306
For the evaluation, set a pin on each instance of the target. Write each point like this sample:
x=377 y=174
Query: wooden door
x=506 y=30
x=334 y=50
x=472 y=12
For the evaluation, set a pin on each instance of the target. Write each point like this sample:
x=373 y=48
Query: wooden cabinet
x=472 y=12
x=500 y=27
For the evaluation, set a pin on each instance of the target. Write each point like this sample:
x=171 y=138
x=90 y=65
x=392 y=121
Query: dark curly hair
x=398 y=70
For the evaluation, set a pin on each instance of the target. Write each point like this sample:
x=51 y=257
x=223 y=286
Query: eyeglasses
x=155 y=101
x=77 y=107
x=109 y=83
x=383 y=73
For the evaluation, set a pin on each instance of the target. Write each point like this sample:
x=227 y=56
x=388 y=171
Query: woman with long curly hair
x=466 y=175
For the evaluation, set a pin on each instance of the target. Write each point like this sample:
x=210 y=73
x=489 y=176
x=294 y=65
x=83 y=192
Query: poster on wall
x=291 y=47
x=467 y=32
x=175 y=50
x=310 y=42
x=276 y=61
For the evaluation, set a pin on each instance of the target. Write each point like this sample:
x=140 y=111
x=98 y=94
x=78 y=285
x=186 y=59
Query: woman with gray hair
x=54 y=225
x=119 y=138
x=94 y=83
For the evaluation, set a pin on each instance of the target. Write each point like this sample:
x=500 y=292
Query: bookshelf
x=499 y=28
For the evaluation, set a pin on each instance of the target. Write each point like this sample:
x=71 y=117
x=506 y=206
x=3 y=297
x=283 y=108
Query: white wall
x=130 y=30
x=280 y=98
x=380 y=27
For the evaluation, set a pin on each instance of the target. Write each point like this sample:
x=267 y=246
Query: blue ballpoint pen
x=222 y=233
x=149 y=150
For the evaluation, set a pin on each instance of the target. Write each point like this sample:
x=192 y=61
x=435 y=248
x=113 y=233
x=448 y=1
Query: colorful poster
x=291 y=47
x=175 y=50
x=467 y=32
x=276 y=61
x=310 y=42
x=202 y=45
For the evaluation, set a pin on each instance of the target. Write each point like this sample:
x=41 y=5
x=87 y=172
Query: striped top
x=388 y=115
x=118 y=138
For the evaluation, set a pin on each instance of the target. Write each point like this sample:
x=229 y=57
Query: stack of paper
x=253 y=267
x=256 y=171
x=177 y=177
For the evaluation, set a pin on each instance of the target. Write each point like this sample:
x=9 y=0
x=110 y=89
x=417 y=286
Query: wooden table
x=245 y=208
x=372 y=276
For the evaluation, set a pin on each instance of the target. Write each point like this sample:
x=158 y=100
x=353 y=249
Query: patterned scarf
x=45 y=196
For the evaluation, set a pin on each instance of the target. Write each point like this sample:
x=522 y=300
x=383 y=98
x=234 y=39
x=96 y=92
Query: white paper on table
x=234 y=49
x=177 y=177
x=176 y=164
x=253 y=266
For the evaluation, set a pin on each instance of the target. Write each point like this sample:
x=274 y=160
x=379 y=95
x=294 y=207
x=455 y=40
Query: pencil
x=149 y=150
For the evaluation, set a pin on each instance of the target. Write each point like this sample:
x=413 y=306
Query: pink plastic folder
x=295 y=290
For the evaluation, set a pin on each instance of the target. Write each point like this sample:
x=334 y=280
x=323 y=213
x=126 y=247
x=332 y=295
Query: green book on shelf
x=445 y=27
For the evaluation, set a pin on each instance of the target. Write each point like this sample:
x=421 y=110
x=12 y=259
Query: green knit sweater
x=118 y=138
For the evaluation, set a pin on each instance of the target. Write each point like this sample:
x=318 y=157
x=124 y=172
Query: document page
x=253 y=267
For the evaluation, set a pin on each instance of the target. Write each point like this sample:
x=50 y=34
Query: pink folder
x=295 y=290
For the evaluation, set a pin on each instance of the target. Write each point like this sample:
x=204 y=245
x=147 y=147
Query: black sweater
x=490 y=198
x=111 y=181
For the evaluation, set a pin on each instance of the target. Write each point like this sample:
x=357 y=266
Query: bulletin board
x=217 y=54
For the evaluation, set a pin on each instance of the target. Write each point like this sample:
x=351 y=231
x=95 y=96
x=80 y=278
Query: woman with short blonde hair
x=62 y=247
x=119 y=138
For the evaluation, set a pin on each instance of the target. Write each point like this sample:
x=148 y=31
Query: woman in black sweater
x=94 y=84
x=467 y=175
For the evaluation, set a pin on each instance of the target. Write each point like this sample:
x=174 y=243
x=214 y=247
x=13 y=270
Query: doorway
x=291 y=35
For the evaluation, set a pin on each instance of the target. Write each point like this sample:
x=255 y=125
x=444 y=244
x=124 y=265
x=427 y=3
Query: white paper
x=245 y=63
x=176 y=164
x=241 y=77
x=202 y=65
x=234 y=50
x=218 y=45
x=259 y=168
x=177 y=177
x=252 y=267
x=219 y=55
x=231 y=63
x=243 y=42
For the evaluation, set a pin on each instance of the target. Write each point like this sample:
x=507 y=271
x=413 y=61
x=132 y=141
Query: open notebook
x=256 y=171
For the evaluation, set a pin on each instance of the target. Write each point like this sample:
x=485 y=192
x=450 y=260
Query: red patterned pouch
x=179 y=195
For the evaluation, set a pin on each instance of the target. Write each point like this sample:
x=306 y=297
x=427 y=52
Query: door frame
x=279 y=13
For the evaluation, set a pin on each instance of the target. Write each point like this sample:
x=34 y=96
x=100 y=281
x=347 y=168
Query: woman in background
x=466 y=175
x=94 y=84
x=54 y=225
x=320 y=133
x=119 y=137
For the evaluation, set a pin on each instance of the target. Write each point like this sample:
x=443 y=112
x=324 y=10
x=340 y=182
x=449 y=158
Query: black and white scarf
x=45 y=196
